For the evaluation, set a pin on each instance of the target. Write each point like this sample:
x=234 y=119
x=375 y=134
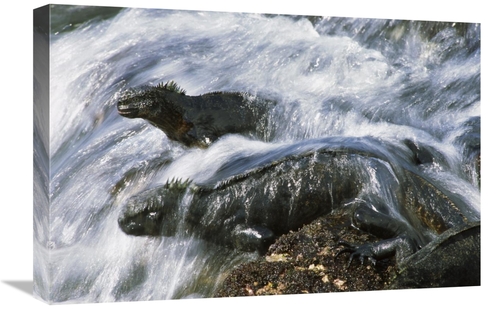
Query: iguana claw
x=361 y=252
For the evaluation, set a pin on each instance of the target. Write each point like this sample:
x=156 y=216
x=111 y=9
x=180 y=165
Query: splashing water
x=389 y=80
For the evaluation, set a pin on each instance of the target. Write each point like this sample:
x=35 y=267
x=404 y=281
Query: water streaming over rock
x=394 y=81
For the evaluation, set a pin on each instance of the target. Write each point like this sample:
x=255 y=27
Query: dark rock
x=305 y=261
x=453 y=259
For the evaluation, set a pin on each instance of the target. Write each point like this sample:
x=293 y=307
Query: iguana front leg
x=398 y=238
x=401 y=246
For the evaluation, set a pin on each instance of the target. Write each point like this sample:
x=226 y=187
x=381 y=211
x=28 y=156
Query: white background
x=16 y=101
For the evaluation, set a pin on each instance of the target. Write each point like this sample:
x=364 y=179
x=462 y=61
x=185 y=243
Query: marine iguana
x=197 y=121
x=291 y=186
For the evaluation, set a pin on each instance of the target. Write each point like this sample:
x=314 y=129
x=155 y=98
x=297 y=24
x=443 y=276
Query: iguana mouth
x=128 y=111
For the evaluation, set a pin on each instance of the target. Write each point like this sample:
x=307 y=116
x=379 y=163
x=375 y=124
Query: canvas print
x=195 y=154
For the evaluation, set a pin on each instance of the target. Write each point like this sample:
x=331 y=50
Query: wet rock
x=453 y=259
x=304 y=262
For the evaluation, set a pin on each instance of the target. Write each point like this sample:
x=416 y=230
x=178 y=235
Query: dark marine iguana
x=197 y=121
x=261 y=204
x=290 y=186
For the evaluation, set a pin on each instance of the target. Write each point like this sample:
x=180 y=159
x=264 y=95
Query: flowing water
x=331 y=77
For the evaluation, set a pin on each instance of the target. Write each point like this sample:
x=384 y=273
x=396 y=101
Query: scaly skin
x=248 y=211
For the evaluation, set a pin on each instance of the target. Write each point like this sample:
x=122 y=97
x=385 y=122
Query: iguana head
x=147 y=102
x=163 y=106
x=154 y=212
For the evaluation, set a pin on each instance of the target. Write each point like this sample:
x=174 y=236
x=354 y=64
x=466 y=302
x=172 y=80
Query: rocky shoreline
x=305 y=261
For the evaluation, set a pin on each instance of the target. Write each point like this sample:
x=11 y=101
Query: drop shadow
x=24 y=286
